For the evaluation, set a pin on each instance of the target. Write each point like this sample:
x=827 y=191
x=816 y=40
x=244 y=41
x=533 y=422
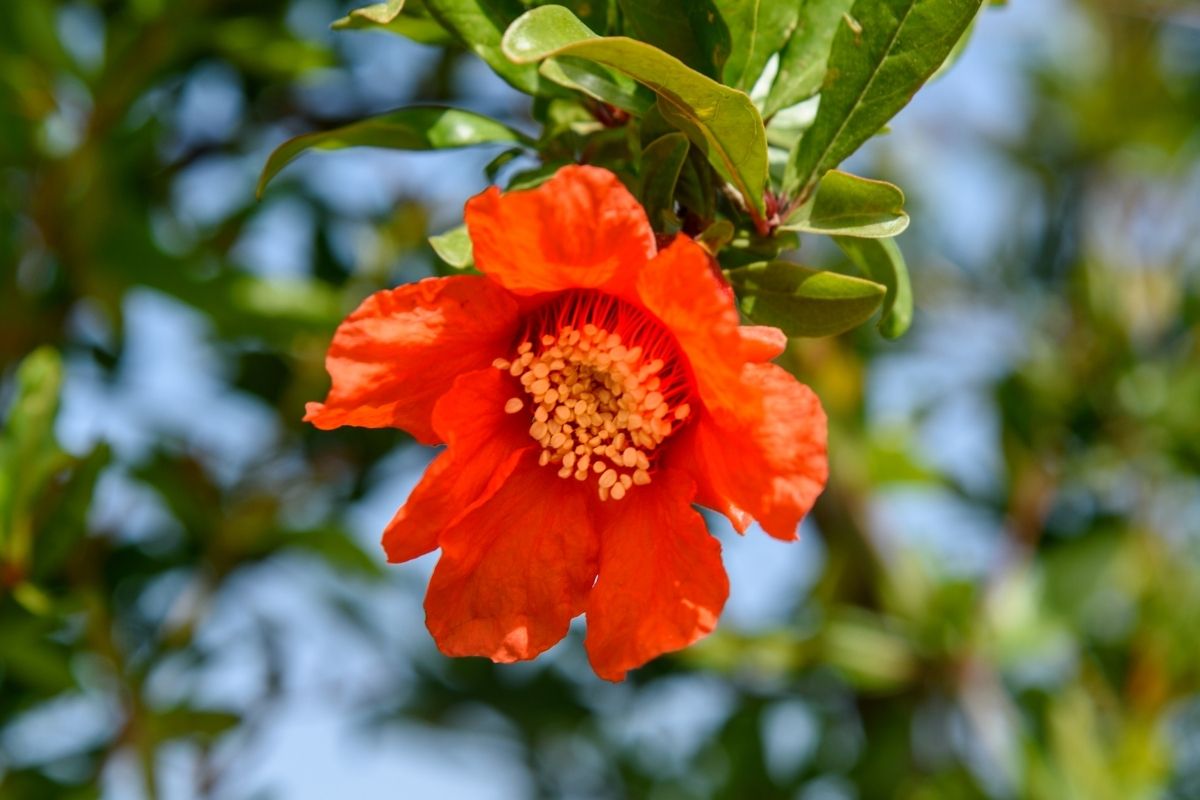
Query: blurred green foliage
x=1068 y=668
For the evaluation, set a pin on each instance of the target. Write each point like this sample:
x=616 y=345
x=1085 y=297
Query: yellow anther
x=600 y=405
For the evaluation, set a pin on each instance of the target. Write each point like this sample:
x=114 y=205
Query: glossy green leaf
x=882 y=261
x=960 y=47
x=802 y=301
x=662 y=161
x=848 y=205
x=722 y=122
x=534 y=177
x=599 y=83
x=757 y=30
x=416 y=128
x=502 y=159
x=873 y=72
x=367 y=16
x=691 y=30
x=479 y=25
x=454 y=247
x=388 y=17
x=803 y=61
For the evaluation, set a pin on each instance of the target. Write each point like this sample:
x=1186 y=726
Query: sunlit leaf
x=600 y=83
x=479 y=26
x=875 y=66
x=882 y=261
x=803 y=59
x=690 y=30
x=802 y=301
x=848 y=205
x=415 y=128
x=757 y=30
x=388 y=17
x=454 y=247
x=722 y=122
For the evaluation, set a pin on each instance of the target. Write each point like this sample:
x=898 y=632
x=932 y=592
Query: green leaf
x=335 y=547
x=186 y=722
x=454 y=247
x=804 y=58
x=720 y=121
x=716 y=236
x=758 y=29
x=387 y=17
x=29 y=654
x=662 y=161
x=802 y=301
x=691 y=30
x=29 y=453
x=873 y=73
x=67 y=522
x=599 y=83
x=960 y=47
x=868 y=651
x=377 y=14
x=882 y=261
x=415 y=128
x=479 y=25
x=848 y=205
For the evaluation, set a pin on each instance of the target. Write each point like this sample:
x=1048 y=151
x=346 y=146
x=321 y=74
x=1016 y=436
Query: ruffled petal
x=399 y=351
x=580 y=229
x=661 y=584
x=762 y=342
x=768 y=463
x=516 y=568
x=470 y=417
x=681 y=289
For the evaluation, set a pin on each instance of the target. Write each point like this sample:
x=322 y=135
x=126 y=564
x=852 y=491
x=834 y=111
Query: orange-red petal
x=661 y=584
x=768 y=462
x=470 y=417
x=762 y=342
x=681 y=289
x=514 y=569
x=580 y=229
x=400 y=350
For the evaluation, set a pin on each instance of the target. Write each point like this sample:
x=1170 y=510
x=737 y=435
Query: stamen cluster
x=599 y=406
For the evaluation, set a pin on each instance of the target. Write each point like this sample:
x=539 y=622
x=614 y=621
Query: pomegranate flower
x=589 y=388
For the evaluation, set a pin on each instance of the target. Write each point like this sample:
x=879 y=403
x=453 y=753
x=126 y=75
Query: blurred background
x=998 y=596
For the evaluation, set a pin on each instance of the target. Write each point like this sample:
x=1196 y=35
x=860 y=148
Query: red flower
x=589 y=389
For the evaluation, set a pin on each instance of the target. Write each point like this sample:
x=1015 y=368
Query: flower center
x=606 y=385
